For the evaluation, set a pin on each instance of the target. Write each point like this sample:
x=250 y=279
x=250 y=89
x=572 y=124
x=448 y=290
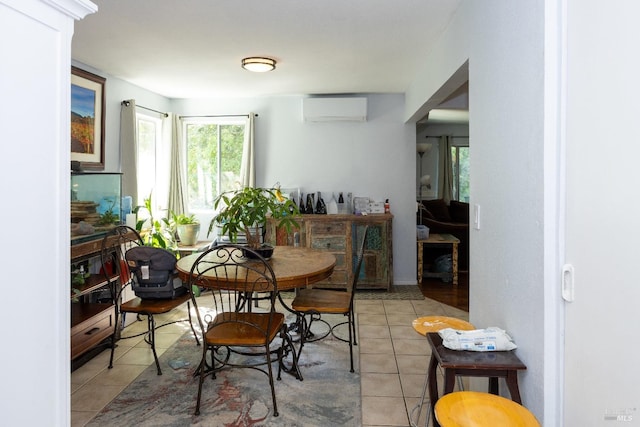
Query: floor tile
x=81 y=418
x=375 y=345
x=401 y=319
x=410 y=364
x=416 y=347
x=374 y=384
x=118 y=375
x=374 y=331
x=384 y=411
x=403 y=306
x=405 y=332
x=380 y=363
x=94 y=397
x=418 y=412
x=372 y=319
x=412 y=384
x=391 y=357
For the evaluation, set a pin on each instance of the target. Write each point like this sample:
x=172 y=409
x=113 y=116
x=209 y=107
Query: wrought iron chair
x=123 y=271
x=234 y=335
x=313 y=303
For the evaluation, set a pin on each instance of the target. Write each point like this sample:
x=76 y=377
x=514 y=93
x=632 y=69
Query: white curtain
x=247 y=168
x=177 y=186
x=445 y=169
x=129 y=150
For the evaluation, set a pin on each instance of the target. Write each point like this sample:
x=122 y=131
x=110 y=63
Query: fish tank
x=96 y=202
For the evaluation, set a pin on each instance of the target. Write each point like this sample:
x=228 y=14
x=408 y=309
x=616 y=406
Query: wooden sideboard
x=339 y=234
x=92 y=307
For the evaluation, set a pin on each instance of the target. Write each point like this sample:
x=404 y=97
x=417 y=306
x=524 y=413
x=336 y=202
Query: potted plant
x=187 y=227
x=159 y=234
x=245 y=212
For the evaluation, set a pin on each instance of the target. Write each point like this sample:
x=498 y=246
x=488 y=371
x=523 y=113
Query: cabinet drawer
x=329 y=228
x=329 y=243
x=91 y=324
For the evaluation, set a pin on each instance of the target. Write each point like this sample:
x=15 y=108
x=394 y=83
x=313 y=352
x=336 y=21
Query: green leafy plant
x=109 y=218
x=182 y=219
x=246 y=211
x=160 y=233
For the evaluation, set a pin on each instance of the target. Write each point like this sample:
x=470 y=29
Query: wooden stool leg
x=433 y=387
x=449 y=381
x=493 y=386
x=512 y=384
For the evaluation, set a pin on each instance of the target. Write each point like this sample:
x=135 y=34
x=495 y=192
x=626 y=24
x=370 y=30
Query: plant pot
x=265 y=250
x=188 y=233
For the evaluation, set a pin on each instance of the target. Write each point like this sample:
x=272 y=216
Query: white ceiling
x=193 y=48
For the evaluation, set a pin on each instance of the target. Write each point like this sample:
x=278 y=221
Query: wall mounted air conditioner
x=334 y=109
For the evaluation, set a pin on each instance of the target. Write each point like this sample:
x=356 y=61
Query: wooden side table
x=424 y=325
x=491 y=364
x=439 y=239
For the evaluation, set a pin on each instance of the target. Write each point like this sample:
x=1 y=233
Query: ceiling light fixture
x=258 y=64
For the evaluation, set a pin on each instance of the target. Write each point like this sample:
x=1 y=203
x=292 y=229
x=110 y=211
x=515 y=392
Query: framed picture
x=87 y=119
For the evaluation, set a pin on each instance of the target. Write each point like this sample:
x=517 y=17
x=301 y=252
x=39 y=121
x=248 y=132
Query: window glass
x=214 y=156
x=460 y=163
x=149 y=134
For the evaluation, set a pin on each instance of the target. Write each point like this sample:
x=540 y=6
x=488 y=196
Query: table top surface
x=423 y=325
x=472 y=408
x=463 y=359
x=440 y=238
x=293 y=267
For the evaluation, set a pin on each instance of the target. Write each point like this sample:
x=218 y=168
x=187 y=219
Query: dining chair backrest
x=358 y=264
x=115 y=245
x=231 y=274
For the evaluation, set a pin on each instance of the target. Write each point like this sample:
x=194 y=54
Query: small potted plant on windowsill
x=187 y=227
x=245 y=212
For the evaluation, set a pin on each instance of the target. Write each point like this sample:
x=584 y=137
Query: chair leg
x=152 y=340
x=352 y=338
x=273 y=388
x=202 y=370
x=195 y=334
x=113 y=338
x=353 y=325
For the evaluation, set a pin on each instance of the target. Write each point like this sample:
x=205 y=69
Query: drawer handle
x=92 y=330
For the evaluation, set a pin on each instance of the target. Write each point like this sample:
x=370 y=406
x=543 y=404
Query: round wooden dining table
x=294 y=267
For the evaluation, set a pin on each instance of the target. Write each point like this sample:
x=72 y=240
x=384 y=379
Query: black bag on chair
x=154 y=273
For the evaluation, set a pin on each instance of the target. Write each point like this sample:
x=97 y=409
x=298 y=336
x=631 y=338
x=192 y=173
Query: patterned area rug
x=328 y=396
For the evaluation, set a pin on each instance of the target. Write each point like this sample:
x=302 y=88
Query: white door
x=602 y=324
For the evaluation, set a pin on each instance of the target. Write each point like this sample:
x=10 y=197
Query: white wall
x=370 y=159
x=503 y=42
x=116 y=91
x=34 y=169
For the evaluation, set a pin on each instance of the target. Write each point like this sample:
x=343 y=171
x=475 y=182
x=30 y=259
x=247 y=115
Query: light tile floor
x=393 y=361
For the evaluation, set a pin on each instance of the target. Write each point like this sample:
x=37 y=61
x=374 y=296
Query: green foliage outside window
x=214 y=156
x=460 y=163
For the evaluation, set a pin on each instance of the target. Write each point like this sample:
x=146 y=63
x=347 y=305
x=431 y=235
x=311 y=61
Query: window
x=214 y=157
x=152 y=162
x=460 y=166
